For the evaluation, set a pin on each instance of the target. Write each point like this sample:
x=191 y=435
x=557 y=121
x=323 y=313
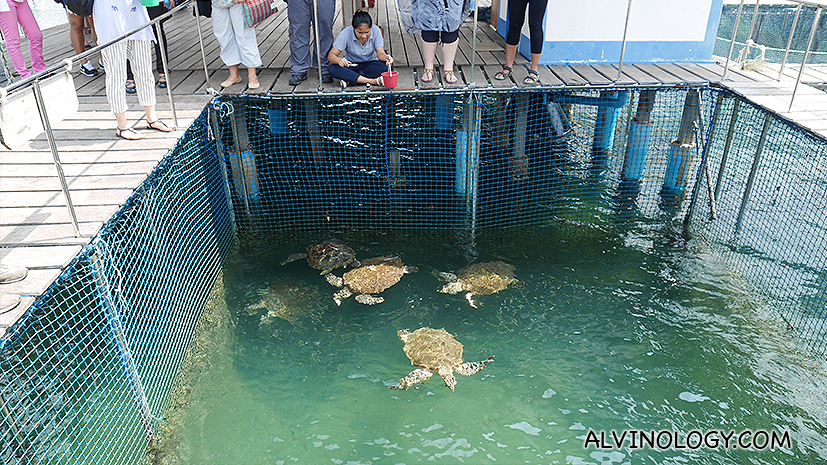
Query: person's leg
x=298 y=17
x=245 y=38
x=327 y=9
x=140 y=56
x=372 y=69
x=223 y=29
x=76 y=34
x=345 y=73
x=115 y=57
x=430 y=41
x=8 y=24
x=29 y=24
x=450 y=42
x=516 y=18
x=536 y=11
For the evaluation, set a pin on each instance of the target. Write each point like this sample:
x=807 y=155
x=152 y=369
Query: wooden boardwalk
x=102 y=170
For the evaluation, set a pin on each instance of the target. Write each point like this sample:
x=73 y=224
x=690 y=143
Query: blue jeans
x=369 y=69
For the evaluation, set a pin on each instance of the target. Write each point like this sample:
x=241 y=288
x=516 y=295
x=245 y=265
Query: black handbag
x=80 y=7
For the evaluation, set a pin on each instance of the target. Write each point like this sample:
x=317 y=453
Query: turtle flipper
x=341 y=295
x=448 y=376
x=293 y=258
x=472 y=368
x=415 y=377
x=368 y=299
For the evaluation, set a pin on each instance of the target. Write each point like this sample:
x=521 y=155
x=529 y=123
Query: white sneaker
x=343 y=83
x=12 y=274
x=88 y=69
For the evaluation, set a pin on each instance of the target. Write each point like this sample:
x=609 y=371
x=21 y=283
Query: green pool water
x=632 y=330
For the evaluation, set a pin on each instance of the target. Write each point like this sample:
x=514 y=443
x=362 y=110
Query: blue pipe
x=609 y=104
x=640 y=139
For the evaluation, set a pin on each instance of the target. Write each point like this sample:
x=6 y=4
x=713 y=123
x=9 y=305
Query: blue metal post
x=604 y=128
x=682 y=152
x=640 y=137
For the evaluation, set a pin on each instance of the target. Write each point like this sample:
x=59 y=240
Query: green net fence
x=86 y=373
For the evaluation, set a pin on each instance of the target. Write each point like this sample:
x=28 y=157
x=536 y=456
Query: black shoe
x=327 y=79
x=130 y=87
x=88 y=70
x=296 y=79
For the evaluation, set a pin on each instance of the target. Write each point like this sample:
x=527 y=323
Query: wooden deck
x=102 y=170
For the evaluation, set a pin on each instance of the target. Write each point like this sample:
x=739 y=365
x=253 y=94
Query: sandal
x=450 y=77
x=132 y=135
x=163 y=127
x=532 y=79
x=130 y=86
x=428 y=75
x=503 y=75
x=162 y=81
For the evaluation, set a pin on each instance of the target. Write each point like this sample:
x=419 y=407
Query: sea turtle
x=326 y=256
x=286 y=300
x=479 y=279
x=435 y=350
x=372 y=277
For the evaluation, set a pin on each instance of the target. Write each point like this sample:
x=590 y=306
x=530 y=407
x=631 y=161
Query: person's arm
x=382 y=56
x=334 y=58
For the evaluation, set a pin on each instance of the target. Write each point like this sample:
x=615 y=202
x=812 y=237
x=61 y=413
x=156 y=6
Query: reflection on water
x=636 y=332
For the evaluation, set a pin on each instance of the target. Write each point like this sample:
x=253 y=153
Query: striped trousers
x=140 y=58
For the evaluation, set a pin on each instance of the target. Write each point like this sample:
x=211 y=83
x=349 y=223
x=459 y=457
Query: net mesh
x=86 y=373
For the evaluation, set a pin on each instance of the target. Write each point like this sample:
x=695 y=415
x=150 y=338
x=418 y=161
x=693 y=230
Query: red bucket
x=389 y=79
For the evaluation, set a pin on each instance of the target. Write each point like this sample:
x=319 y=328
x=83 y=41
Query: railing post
x=41 y=106
x=201 y=45
x=751 y=179
x=806 y=54
x=623 y=44
x=732 y=42
x=160 y=40
x=474 y=42
x=318 y=44
x=789 y=41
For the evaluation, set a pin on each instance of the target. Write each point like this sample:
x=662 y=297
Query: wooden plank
x=53 y=256
x=46 y=234
x=700 y=71
x=610 y=72
x=639 y=76
x=662 y=76
x=35 y=283
x=591 y=75
x=490 y=71
x=31 y=184
x=405 y=78
x=28 y=169
x=732 y=74
x=682 y=74
x=547 y=78
x=567 y=75
x=24 y=216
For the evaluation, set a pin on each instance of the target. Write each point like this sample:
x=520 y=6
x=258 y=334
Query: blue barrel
x=640 y=138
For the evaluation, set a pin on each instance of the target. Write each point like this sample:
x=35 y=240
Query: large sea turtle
x=435 y=350
x=286 y=300
x=371 y=277
x=326 y=256
x=479 y=279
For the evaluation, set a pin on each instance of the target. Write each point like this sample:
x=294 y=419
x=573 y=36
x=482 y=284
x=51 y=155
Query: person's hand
x=343 y=63
x=389 y=60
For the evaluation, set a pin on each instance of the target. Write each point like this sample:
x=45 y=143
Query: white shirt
x=114 y=18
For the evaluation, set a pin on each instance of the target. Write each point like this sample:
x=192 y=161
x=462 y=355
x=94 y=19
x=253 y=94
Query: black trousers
x=154 y=12
x=516 y=18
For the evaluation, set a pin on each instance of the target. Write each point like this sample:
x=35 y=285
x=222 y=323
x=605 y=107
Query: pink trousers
x=22 y=13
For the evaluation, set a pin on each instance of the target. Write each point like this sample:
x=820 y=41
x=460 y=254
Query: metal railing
x=818 y=6
x=34 y=80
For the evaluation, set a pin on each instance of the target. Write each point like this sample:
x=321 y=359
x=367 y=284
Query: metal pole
x=201 y=44
x=623 y=45
x=789 y=41
x=727 y=145
x=752 y=23
x=755 y=162
x=41 y=106
x=318 y=45
x=732 y=43
x=806 y=54
x=474 y=49
x=166 y=73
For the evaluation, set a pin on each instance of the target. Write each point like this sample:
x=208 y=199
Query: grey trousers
x=302 y=50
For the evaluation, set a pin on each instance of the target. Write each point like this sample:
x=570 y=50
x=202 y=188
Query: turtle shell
x=486 y=278
x=329 y=255
x=374 y=275
x=432 y=348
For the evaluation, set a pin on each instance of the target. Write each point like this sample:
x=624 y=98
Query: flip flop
x=162 y=128
x=503 y=75
x=427 y=76
x=120 y=133
x=450 y=77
